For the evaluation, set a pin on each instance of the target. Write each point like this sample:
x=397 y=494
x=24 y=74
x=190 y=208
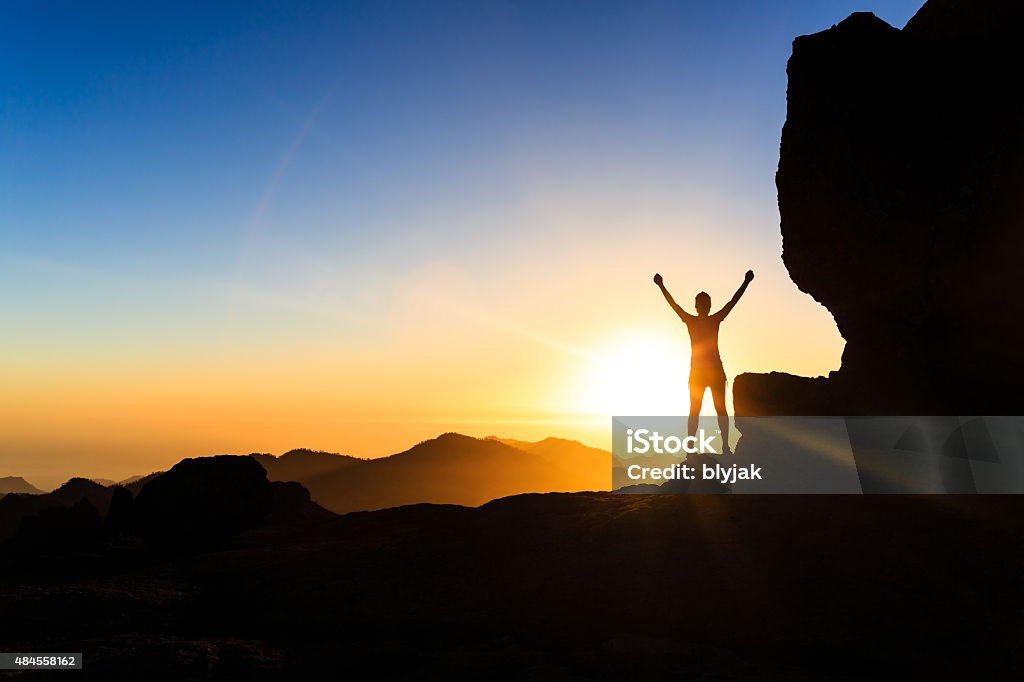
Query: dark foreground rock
x=17 y=508
x=578 y=586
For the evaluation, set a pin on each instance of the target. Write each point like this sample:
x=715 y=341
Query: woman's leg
x=696 y=398
x=718 y=395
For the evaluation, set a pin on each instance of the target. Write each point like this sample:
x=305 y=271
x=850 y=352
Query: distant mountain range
x=16 y=484
x=449 y=469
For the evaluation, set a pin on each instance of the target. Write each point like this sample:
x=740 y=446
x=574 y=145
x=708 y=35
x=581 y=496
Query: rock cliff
x=901 y=195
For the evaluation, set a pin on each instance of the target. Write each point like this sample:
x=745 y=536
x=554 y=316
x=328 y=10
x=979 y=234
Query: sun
x=636 y=375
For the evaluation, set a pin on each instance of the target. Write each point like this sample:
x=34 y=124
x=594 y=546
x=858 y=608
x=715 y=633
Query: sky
x=351 y=226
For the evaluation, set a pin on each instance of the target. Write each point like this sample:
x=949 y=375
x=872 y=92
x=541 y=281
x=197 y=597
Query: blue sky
x=189 y=187
x=154 y=136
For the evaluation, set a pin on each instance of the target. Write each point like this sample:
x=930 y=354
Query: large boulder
x=202 y=500
x=901 y=194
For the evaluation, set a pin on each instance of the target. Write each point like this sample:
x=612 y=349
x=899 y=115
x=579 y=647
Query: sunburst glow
x=637 y=375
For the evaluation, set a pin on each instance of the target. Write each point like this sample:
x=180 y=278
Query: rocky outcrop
x=303 y=464
x=901 y=194
x=205 y=500
x=201 y=500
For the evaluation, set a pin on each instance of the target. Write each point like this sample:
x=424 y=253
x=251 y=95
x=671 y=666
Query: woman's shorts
x=703 y=377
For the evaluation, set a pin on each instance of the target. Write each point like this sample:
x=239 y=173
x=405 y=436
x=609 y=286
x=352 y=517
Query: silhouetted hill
x=899 y=183
x=15 y=508
x=588 y=467
x=302 y=464
x=555 y=448
x=202 y=500
x=136 y=483
x=457 y=469
x=293 y=505
x=581 y=586
x=16 y=484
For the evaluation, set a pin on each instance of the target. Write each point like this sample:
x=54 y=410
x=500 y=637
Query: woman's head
x=703 y=303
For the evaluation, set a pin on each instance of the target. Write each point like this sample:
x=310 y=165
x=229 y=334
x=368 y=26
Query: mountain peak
x=451 y=443
x=862 y=21
x=448 y=439
x=78 y=486
x=17 y=484
x=561 y=441
x=453 y=437
x=308 y=452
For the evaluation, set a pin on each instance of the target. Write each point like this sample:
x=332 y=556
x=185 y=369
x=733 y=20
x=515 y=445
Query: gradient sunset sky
x=237 y=227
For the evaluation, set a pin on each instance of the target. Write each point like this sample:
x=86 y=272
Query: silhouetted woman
x=706 y=370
